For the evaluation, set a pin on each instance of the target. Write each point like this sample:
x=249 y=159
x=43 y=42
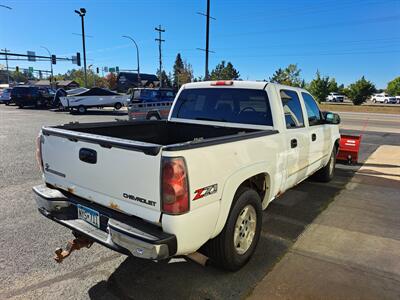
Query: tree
x=332 y=85
x=185 y=75
x=320 y=87
x=164 y=78
x=18 y=77
x=178 y=67
x=393 y=87
x=79 y=77
x=224 y=72
x=111 y=80
x=359 y=91
x=288 y=76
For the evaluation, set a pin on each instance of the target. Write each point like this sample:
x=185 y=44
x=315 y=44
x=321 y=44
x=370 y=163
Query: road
x=370 y=122
x=28 y=240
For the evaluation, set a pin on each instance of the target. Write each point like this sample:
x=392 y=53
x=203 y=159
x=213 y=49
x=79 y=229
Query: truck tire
x=117 y=106
x=153 y=116
x=81 y=109
x=236 y=243
x=326 y=173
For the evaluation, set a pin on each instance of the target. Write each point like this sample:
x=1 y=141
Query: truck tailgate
x=117 y=177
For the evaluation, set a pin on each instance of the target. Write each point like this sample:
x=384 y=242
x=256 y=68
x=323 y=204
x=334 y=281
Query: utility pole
x=207 y=49
x=160 y=40
x=51 y=65
x=207 y=38
x=8 y=73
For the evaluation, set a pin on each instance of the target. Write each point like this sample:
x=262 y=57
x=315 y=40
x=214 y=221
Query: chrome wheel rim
x=245 y=229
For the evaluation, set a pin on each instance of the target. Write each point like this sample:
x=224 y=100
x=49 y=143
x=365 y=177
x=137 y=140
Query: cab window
x=313 y=112
x=292 y=109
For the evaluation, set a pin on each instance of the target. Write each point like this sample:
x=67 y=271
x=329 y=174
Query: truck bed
x=150 y=136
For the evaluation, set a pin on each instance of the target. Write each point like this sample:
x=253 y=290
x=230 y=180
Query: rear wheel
x=326 y=173
x=81 y=109
x=153 y=116
x=117 y=106
x=20 y=106
x=236 y=243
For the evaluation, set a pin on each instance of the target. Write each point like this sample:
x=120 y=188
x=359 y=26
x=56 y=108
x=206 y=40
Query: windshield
x=246 y=106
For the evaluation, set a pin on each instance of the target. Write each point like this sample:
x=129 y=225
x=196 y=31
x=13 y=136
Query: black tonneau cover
x=150 y=136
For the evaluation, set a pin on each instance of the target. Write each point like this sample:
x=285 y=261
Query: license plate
x=89 y=215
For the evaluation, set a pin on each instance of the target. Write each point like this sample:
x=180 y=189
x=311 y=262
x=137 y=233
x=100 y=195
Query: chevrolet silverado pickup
x=197 y=181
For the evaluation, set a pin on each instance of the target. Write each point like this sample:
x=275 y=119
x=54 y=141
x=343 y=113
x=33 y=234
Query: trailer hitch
x=76 y=244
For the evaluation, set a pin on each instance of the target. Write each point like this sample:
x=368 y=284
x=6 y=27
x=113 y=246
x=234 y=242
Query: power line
x=160 y=40
x=392 y=18
x=317 y=54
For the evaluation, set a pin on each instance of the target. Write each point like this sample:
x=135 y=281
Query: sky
x=345 y=39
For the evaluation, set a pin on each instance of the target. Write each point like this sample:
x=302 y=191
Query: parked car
x=383 y=98
x=5 y=96
x=398 y=99
x=24 y=96
x=335 y=97
x=94 y=97
x=195 y=182
x=150 y=104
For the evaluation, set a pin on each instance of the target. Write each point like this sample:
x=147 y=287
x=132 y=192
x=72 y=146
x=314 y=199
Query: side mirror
x=331 y=118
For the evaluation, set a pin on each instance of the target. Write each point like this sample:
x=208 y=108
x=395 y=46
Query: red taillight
x=222 y=82
x=39 y=141
x=175 y=191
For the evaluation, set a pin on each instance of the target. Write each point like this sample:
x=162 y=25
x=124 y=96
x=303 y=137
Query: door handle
x=293 y=143
x=313 y=137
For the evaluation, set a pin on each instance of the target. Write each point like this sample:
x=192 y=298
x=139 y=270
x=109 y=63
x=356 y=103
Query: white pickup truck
x=197 y=181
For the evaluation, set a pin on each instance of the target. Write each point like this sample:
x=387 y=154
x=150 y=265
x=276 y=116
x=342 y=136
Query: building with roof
x=67 y=84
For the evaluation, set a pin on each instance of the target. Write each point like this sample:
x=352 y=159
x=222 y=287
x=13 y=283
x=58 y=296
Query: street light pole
x=137 y=58
x=82 y=13
x=51 y=66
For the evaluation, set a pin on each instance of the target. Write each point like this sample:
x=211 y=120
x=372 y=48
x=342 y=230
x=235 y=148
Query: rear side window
x=292 y=109
x=313 y=112
x=245 y=106
x=21 y=91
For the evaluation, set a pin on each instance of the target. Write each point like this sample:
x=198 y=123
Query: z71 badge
x=205 y=191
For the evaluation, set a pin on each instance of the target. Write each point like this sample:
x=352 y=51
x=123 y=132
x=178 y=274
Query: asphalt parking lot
x=28 y=240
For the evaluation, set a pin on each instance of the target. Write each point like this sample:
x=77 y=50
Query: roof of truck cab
x=236 y=84
x=244 y=84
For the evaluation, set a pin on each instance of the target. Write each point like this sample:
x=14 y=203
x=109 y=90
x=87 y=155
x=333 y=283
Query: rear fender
x=232 y=184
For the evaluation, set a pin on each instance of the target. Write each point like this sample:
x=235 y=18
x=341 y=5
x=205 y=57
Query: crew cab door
x=318 y=134
x=295 y=136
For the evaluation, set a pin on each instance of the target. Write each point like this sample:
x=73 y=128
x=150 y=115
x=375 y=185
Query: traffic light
x=17 y=69
x=53 y=59
x=78 y=59
x=97 y=70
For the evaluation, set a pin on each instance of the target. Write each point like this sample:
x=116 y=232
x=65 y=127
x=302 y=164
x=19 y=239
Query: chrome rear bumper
x=120 y=232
